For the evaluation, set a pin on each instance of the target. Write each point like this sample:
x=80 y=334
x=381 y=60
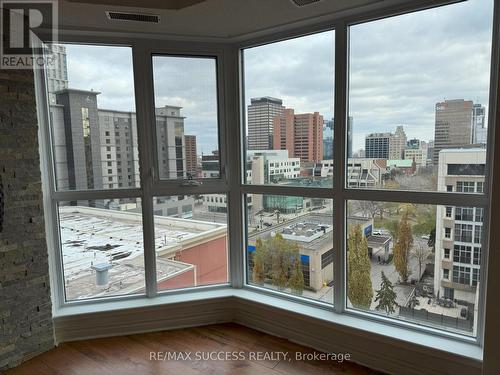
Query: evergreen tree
x=386 y=297
x=296 y=282
x=402 y=248
x=359 y=290
x=259 y=263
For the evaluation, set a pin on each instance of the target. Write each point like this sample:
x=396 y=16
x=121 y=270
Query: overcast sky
x=399 y=68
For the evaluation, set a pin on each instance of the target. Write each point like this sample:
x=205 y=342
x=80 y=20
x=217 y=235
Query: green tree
x=402 y=248
x=386 y=297
x=280 y=260
x=360 y=290
x=296 y=282
x=259 y=263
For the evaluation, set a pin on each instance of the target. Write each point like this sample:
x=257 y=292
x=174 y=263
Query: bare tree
x=420 y=252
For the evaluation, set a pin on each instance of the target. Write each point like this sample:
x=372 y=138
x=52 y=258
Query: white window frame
x=150 y=185
x=342 y=193
x=230 y=91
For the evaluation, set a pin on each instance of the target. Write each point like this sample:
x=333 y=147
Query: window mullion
x=341 y=71
x=229 y=92
x=145 y=116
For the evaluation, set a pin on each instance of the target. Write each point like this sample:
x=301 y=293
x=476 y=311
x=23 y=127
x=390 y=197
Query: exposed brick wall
x=25 y=305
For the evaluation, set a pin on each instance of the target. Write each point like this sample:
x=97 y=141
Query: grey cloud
x=399 y=68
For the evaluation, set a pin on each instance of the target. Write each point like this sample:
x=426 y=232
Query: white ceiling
x=210 y=19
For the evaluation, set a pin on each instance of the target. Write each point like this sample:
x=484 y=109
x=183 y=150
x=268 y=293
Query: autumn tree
x=259 y=263
x=278 y=260
x=360 y=290
x=402 y=248
x=386 y=297
x=296 y=281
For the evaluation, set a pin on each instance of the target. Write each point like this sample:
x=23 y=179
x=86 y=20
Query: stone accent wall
x=25 y=305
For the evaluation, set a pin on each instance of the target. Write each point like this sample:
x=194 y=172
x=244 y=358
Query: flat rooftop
x=91 y=236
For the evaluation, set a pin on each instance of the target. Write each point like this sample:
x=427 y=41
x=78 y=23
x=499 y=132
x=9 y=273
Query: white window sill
x=469 y=350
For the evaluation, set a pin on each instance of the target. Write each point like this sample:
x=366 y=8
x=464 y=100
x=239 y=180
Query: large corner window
x=288 y=144
x=357 y=181
x=420 y=123
x=416 y=123
x=113 y=237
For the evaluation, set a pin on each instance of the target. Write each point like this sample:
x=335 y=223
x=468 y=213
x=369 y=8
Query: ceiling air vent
x=301 y=3
x=138 y=17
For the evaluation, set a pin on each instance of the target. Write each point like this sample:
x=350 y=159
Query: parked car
x=425 y=237
x=376 y=232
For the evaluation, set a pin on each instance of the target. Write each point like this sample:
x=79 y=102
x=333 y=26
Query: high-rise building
x=416 y=150
x=97 y=148
x=386 y=145
x=119 y=150
x=453 y=126
x=300 y=134
x=210 y=165
x=459 y=229
x=170 y=142
x=191 y=157
x=328 y=138
x=77 y=141
x=479 y=124
x=261 y=114
x=377 y=145
x=397 y=144
x=57 y=72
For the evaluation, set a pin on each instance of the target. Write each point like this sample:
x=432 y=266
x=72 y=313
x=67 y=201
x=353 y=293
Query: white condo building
x=459 y=229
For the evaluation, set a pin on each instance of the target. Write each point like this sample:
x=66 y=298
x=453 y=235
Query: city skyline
x=384 y=92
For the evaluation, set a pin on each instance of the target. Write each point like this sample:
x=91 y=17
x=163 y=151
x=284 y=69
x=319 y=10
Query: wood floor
x=131 y=355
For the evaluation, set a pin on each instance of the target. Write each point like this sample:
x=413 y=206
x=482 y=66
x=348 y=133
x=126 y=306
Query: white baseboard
x=143 y=319
x=390 y=355
x=371 y=350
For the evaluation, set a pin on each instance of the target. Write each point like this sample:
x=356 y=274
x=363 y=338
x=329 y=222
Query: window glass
x=85 y=107
x=290 y=245
x=102 y=247
x=289 y=89
x=418 y=99
x=402 y=263
x=187 y=124
x=191 y=240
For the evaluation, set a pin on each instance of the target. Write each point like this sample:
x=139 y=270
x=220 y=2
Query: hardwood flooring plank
x=131 y=355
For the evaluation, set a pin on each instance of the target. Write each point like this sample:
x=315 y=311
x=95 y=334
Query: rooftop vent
x=301 y=3
x=138 y=17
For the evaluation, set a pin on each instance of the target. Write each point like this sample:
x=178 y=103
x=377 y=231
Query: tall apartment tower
x=397 y=144
x=119 y=149
x=77 y=143
x=191 y=155
x=57 y=72
x=459 y=229
x=377 y=145
x=97 y=148
x=261 y=113
x=300 y=134
x=328 y=138
x=170 y=142
x=453 y=126
x=479 y=124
